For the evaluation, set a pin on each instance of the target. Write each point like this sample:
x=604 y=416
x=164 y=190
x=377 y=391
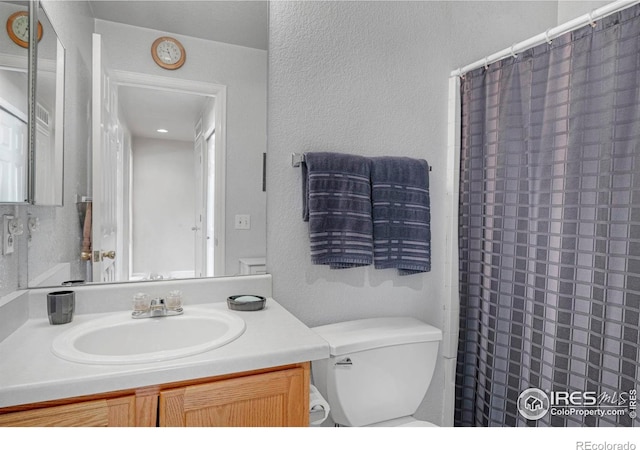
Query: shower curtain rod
x=549 y=35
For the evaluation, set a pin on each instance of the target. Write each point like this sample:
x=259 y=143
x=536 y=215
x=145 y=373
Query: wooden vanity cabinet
x=264 y=398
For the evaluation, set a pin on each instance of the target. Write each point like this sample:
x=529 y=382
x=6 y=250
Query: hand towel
x=316 y=402
x=401 y=214
x=337 y=205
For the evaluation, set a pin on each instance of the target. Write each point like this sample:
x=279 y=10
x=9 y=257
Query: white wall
x=13 y=89
x=371 y=78
x=163 y=205
x=570 y=9
x=244 y=71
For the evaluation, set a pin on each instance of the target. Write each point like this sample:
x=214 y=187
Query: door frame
x=219 y=91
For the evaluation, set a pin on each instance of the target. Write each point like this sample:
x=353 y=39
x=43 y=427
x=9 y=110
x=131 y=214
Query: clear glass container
x=141 y=302
x=174 y=300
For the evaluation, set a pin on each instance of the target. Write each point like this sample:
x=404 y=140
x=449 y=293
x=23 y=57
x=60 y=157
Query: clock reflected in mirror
x=18 y=28
x=168 y=53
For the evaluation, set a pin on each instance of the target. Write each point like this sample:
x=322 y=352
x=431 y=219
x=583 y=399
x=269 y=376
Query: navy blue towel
x=337 y=205
x=401 y=214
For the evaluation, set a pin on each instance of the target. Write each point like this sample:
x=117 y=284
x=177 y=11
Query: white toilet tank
x=379 y=369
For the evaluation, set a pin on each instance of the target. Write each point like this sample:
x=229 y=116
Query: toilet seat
x=408 y=421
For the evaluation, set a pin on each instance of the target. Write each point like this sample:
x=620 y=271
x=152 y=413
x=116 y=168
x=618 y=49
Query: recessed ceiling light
x=162 y=130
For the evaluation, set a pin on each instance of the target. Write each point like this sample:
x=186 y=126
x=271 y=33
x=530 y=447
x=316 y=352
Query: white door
x=13 y=158
x=199 y=228
x=213 y=266
x=105 y=169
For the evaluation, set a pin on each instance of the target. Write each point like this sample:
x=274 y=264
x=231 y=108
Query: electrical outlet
x=243 y=222
x=8 y=240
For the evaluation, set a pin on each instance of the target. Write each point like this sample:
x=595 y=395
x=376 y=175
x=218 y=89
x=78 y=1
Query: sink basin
x=119 y=339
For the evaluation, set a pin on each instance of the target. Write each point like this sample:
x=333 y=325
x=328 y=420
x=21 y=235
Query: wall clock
x=18 y=28
x=168 y=53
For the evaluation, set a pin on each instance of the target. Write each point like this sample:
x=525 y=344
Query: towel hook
x=546 y=36
x=591 y=21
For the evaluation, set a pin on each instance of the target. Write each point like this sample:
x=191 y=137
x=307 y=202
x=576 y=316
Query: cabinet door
x=119 y=412
x=265 y=400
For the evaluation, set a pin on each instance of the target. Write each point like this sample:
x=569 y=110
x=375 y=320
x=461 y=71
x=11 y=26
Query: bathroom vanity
x=274 y=397
x=261 y=378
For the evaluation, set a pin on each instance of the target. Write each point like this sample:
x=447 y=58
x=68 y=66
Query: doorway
x=165 y=210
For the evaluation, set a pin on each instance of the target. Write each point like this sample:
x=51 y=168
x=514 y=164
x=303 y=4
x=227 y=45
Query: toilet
x=378 y=372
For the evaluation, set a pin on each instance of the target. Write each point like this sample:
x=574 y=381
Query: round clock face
x=18 y=28
x=168 y=53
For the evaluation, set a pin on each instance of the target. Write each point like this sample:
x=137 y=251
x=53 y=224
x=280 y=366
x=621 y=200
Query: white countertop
x=30 y=372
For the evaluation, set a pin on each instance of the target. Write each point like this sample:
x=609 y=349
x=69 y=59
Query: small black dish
x=255 y=303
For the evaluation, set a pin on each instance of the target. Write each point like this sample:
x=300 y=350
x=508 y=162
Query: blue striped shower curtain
x=550 y=233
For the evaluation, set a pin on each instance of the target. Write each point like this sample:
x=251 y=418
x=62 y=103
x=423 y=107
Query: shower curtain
x=550 y=232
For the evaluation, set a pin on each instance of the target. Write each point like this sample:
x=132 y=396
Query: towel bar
x=298 y=158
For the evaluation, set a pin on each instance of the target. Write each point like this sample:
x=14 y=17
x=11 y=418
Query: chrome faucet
x=157 y=308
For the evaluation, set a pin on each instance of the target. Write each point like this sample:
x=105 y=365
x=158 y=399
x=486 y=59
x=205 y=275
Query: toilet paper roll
x=317 y=403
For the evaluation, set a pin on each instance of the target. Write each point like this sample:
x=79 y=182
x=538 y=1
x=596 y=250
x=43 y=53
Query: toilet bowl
x=409 y=421
x=378 y=371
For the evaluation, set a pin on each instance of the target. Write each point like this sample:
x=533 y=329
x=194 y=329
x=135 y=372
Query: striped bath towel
x=401 y=214
x=337 y=205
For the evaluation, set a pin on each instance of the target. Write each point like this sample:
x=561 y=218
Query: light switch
x=243 y=222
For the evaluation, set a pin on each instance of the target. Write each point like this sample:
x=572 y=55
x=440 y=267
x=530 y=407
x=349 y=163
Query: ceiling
x=236 y=22
x=145 y=110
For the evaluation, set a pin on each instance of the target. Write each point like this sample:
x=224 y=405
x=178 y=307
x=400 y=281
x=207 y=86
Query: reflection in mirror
x=49 y=116
x=167 y=142
x=13 y=103
x=167 y=162
x=161 y=233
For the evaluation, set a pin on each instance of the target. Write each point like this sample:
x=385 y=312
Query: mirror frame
x=31 y=91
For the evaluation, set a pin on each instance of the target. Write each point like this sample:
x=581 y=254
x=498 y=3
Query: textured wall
x=371 y=78
x=569 y=9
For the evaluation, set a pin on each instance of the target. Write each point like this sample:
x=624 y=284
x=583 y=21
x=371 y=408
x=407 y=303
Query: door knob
x=195 y=228
x=111 y=255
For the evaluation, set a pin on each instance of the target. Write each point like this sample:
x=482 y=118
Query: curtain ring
x=546 y=36
x=486 y=65
x=512 y=52
x=591 y=21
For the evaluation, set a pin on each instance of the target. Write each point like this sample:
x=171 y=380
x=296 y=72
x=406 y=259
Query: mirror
x=49 y=113
x=150 y=226
x=14 y=102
